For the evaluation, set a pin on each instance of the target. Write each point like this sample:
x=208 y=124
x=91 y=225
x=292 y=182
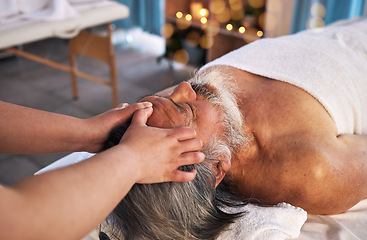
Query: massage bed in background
x=282 y=221
x=68 y=23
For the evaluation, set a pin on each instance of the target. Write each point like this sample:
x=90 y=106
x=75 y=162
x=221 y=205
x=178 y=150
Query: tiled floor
x=34 y=85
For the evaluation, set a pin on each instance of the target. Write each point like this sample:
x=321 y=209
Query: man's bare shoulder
x=301 y=171
x=296 y=151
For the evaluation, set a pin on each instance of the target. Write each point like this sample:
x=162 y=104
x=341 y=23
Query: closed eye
x=181 y=109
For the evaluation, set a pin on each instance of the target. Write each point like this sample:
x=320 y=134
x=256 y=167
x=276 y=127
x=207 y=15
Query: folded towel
x=22 y=10
x=8 y=8
x=13 y=7
x=282 y=221
x=84 y=1
x=27 y=6
x=330 y=64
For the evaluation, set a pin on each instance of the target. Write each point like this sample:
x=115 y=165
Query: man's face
x=183 y=107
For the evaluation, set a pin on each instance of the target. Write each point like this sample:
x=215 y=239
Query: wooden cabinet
x=198 y=31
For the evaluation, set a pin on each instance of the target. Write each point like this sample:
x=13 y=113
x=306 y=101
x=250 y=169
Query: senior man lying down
x=282 y=120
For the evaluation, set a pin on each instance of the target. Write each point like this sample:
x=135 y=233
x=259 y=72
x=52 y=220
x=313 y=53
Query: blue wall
x=146 y=14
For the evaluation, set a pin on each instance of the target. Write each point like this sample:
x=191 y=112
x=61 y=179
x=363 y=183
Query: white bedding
x=21 y=11
x=62 y=20
x=351 y=225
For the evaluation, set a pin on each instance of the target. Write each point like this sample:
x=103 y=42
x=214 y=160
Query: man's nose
x=183 y=92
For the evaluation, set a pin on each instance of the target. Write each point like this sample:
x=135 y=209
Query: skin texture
x=294 y=153
x=70 y=202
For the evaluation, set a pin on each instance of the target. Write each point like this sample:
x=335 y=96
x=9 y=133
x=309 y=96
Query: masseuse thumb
x=124 y=111
x=141 y=116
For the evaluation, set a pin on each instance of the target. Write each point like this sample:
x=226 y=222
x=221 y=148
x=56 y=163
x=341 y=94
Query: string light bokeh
x=198 y=25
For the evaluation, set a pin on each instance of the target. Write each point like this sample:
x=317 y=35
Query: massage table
x=81 y=42
x=274 y=222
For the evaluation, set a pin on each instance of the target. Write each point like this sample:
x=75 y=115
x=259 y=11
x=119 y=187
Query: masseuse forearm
x=26 y=130
x=66 y=203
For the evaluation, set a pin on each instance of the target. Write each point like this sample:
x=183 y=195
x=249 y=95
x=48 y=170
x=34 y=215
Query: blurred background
x=161 y=44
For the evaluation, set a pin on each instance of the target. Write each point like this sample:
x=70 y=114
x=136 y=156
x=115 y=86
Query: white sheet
x=351 y=225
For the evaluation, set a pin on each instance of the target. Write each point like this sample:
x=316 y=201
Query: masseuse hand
x=100 y=126
x=159 y=152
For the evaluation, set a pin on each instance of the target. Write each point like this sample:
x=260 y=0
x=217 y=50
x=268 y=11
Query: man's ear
x=220 y=169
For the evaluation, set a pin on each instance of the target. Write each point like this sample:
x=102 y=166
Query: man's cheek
x=155 y=121
x=159 y=121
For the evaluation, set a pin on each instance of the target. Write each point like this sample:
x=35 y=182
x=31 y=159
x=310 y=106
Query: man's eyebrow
x=203 y=90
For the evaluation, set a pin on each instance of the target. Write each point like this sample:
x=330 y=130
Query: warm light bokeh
x=179 y=14
x=242 y=30
x=251 y=35
x=181 y=56
x=188 y=17
x=204 y=12
x=256 y=3
x=192 y=39
x=223 y=16
x=229 y=27
x=167 y=30
x=206 y=41
x=211 y=28
x=182 y=23
x=217 y=6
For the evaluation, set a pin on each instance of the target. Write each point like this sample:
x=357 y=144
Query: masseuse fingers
x=122 y=105
x=126 y=111
x=133 y=107
x=183 y=133
x=181 y=176
x=189 y=145
x=141 y=116
x=188 y=158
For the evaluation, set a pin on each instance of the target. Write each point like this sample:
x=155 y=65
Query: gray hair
x=190 y=210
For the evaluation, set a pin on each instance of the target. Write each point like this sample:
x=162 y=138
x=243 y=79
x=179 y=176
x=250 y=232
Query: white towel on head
x=330 y=64
x=282 y=221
